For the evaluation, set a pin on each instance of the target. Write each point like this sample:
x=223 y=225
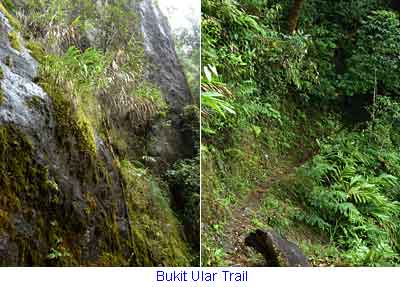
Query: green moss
x=34 y=102
x=118 y=140
x=72 y=126
x=14 y=40
x=110 y=259
x=158 y=238
x=85 y=134
x=9 y=5
x=37 y=50
x=74 y=130
x=2 y=96
x=13 y=21
x=91 y=202
x=4 y=220
x=23 y=182
x=60 y=252
x=17 y=159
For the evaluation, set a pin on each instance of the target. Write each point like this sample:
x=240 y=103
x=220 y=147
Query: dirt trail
x=237 y=254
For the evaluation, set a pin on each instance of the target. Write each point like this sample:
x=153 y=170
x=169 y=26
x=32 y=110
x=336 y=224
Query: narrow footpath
x=237 y=254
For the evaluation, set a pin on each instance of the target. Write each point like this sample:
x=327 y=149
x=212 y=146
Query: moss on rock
x=34 y=102
x=80 y=217
x=157 y=235
x=37 y=50
x=16 y=159
x=2 y=96
x=110 y=259
x=72 y=126
x=23 y=186
x=14 y=40
x=13 y=21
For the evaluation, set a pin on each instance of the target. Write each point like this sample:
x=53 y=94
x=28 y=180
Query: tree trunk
x=294 y=14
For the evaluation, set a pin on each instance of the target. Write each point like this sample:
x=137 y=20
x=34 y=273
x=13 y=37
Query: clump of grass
x=37 y=50
x=14 y=40
x=13 y=21
x=9 y=5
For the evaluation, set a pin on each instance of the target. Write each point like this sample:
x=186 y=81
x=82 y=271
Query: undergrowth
x=320 y=100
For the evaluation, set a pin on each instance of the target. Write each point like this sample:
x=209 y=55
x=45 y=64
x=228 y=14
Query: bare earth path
x=237 y=254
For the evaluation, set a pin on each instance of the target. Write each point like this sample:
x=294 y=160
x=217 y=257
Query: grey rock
x=22 y=227
x=277 y=251
x=8 y=250
x=48 y=214
x=27 y=108
x=18 y=92
x=23 y=63
x=159 y=46
x=17 y=85
x=169 y=142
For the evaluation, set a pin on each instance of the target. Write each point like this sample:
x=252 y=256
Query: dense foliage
x=322 y=97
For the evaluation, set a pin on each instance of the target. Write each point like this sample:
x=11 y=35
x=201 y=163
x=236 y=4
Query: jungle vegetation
x=301 y=128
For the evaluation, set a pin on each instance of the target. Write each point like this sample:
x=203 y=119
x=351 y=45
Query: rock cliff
x=68 y=196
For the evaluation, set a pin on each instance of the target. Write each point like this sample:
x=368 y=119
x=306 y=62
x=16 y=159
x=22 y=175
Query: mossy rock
x=16 y=156
x=37 y=50
x=111 y=259
x=36 y=206
x=15 y=41
x=24 y=185
x=2 y=96
x=13 y=21
x=34 y=102
x=157 y=238
x=73 y=128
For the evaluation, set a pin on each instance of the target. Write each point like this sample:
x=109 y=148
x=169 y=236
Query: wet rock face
x=173 y=138
x=61 y=205
x=169 y=139
x=20 y=97
x=20 y=61
x=18 y=70
x=47 y=204
x=159 y=46
x=277 y=251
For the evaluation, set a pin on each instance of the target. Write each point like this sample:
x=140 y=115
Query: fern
x=351 y=203
x=216 y=103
